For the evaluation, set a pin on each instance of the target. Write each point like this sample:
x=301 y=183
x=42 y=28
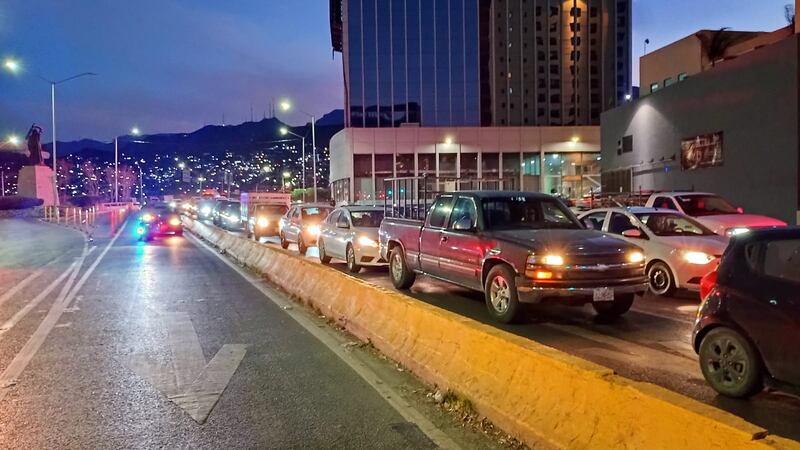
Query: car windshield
x=705 y=205
x=367 y=219
x=666 y=224
x=316 y=213
x=274 y=210
x=511 y=213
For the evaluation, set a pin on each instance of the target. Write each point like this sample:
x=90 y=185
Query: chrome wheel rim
x=397 y=266
x=321 y=246
x=500 y=294
x=351 y=257
x=727 y=363
x=659 y=280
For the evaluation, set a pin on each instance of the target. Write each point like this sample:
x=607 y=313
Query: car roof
x=360 y=208
x=634 y=210
x=673 y=193
x=495 y=194
x=760 y=234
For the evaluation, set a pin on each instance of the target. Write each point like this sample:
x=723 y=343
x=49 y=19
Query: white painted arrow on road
x=189 y=382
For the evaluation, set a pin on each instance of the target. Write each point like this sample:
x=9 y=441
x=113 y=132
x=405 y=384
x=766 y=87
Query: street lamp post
x=14 y=66
x=285 y=131
x=134 y=132
x=284 y=176
x=286 y=106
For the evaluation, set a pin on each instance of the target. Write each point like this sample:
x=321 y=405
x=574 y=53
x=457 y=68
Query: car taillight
x=707 y=284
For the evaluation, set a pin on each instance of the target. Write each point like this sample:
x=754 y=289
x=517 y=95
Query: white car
x=678 y=249
x=713 y=211
x=350 y=233
x=302 y=225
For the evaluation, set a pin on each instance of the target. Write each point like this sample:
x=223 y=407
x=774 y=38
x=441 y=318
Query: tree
x=65 y=177
x=717 y=45
x=91 y=179
x=789 y=13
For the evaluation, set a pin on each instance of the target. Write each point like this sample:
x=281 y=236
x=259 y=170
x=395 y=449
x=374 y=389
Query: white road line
x=24 y=357
x=329 y=339
x=187 y=355
x=16 y=288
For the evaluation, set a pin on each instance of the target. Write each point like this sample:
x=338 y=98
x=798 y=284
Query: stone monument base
x=37 y=182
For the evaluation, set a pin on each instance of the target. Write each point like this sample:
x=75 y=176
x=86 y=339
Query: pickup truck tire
x=621 y=304
x=324 y=258
x=284 y=242
x=352 y=265
x=502 y=298
x=402 y=277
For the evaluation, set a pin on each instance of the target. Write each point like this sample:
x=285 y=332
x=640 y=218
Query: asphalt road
x=118 y=344
x=651 y=343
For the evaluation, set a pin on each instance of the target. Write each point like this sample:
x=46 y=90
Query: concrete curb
x=532 y=391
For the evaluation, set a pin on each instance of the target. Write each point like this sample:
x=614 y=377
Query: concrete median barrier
x=532 y=391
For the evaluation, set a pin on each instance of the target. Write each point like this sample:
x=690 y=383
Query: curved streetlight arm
x=73 y=77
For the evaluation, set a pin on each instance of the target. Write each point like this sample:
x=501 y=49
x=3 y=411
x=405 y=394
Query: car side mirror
x=740 y=210
x=588 y=223
x=633 y=233
x=463 y=224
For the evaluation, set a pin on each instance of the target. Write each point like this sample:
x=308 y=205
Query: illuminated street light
x=286 y=106
x=135 y=131
x=11 y=65
x=448 y=140
x=14 y=140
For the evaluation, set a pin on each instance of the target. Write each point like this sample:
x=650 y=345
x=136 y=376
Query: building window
x=654 y=87
x=490 y=166
x=363 y=188
x=405 y=165
x=682 y=76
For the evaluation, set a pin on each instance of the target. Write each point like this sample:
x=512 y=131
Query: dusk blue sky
x=176 y=65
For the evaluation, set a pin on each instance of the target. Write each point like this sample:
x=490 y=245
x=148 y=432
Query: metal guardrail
x=85 y=219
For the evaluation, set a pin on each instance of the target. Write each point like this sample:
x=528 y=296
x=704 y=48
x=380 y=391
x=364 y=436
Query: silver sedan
x=350 y=233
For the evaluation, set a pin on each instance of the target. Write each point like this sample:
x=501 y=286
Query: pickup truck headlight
x=699 y=258
x=635 y=257
x=263 y=222
x=552 y=260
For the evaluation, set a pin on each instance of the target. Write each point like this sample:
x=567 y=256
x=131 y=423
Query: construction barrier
x=532 y=391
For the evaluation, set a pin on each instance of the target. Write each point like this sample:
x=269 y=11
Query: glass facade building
x=411 y=62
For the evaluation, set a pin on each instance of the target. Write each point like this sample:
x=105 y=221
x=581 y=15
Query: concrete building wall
x=683 y=56
x=752 y=100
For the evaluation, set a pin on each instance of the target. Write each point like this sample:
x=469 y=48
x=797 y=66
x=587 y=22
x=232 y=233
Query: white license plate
x=604 y=295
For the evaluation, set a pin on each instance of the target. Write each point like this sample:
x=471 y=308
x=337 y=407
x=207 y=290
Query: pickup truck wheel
x=323 y=255
x=502 y=299
x=730 y=364
x=621 y=304
x=402 y=276
x=284 y=242
x=352 y=265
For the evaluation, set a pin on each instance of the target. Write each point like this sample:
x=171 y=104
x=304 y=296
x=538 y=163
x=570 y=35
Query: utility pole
x=2 y=183
x=116 y=170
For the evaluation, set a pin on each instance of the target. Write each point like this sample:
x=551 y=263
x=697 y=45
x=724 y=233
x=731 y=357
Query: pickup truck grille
x=604 y=274
x=593 y=260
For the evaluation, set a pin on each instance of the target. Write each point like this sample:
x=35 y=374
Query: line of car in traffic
x=518 y=247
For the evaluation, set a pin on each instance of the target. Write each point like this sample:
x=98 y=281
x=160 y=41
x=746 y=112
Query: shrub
x=16 y=202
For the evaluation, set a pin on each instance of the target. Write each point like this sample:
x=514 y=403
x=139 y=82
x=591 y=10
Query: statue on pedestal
x=34 y=141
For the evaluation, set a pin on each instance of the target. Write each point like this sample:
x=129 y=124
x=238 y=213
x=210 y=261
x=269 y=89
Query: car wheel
x=323 y=255
x=352 y=265
x=301 y=245
x=502 y=299
x=284 y=242
x=257 y=237
x=730 y=364
x=402 y=276
x=621 y=304
x=662 y=282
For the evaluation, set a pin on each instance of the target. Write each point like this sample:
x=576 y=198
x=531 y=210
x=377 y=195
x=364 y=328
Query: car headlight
x=699 y=258
x=175 y=221
x=364 y=241
x=148 y=217
x=730 y=232
x=552 y=260
x=205 y=210
x=172 y=205
x=635 y=257
x=262 y=221
x=313 y=230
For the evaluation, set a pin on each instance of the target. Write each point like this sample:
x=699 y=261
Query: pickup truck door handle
x=444 y=239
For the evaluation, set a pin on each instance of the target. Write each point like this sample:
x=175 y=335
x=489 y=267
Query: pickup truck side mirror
x=463 y=224
x=740 y=210
x=634 y=233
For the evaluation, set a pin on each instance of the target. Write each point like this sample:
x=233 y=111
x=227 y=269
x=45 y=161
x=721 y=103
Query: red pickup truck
x=515 y=247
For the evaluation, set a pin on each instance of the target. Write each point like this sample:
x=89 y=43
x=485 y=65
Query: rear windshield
x=511 y=213
x=673 y=225
x=316 y=213
x=705 y=205
x=369 y=219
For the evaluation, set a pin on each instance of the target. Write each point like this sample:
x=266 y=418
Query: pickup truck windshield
x=705 y=205
x=512 y=213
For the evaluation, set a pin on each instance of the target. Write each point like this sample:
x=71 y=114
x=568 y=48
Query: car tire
x=621 y=304
x=323 y=255
x=350 y=257
x=302 y=248
x=500 y=291
x=730 y=364
x=661 y=280
x=284 y=242
x=402 y=276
